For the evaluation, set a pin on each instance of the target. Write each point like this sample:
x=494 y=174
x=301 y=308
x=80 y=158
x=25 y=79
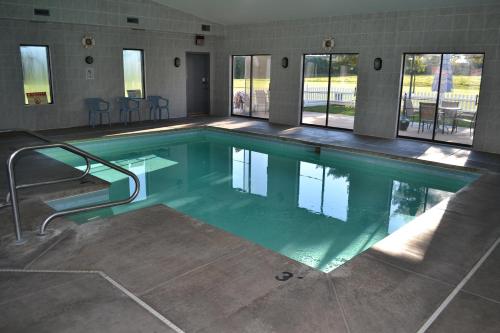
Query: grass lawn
x=334 y=109
x=258 y=84
x=322 y=82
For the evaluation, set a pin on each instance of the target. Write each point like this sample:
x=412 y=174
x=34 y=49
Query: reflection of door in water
x=198 y=83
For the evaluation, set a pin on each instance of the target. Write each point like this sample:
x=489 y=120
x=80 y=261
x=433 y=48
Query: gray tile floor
x=203 y=279
x=66 y=302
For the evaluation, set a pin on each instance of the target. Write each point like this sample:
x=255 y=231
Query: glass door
x=439 y=97
x=329 y=90
x=315 y=89
x=241 y=85
x=251 y=80
x=343 y=85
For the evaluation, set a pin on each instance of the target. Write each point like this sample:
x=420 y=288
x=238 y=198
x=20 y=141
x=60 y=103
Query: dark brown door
x=198 y=83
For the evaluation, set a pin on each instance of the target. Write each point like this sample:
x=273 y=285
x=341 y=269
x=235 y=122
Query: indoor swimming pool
x=316 y=205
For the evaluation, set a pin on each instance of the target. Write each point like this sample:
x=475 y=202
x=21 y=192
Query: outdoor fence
x=466 y=102
x=314 y=96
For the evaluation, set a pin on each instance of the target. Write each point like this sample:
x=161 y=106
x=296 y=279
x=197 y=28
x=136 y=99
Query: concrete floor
x=334 y=120
x=463 y=135
x=155 y=269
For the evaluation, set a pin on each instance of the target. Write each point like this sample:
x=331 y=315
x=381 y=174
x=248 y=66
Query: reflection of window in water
x=139 y=168
x=322 y=191
x=410 y=200
x=250 y=171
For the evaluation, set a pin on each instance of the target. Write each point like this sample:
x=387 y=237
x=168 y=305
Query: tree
x=239 y=67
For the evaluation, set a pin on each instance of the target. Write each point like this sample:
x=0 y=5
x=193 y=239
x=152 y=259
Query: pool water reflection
x=321 y=212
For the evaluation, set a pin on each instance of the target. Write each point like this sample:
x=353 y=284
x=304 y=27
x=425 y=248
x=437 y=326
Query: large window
x=133 y=73
x=329 y=90
x=250 y=86
x=36 y=74
x=439 y=97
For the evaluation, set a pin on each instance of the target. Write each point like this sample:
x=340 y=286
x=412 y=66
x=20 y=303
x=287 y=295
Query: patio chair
x=157 y=104
x=127 y=107
x=468 y=117
x=97 y=106
x=450 y=104
x=448 y=115
x=426 y=115
x=241 y=101
x=261 y=100
x=410 y=111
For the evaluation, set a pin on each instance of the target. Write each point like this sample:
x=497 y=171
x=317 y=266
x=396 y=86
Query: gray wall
x=111 y=34
x=167 y=33
x=387 y=35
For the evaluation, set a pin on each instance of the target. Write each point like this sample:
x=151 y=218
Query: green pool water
x=319 y=207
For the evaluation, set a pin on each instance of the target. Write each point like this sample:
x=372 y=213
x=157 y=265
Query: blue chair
x=157 y=104
x=127 y=107
x=97 y=106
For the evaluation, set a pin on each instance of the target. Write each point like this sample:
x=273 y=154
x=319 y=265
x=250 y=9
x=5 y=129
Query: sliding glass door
x=329 y=90
x=251 y=80
x=439 y=97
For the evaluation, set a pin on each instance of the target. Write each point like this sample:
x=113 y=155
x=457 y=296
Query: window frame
x=330 y=54
x=49 y=71
x=251 y=85
x=143 y=72
x=400 y=99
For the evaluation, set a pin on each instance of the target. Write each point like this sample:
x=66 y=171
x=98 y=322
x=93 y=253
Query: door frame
x=330 y=55
x=209 y=81
x=251 y=84
x=433 y=140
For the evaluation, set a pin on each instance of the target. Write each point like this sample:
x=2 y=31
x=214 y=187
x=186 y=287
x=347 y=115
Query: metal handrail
x=51 y=182
x=57 y=181
x=13 y=187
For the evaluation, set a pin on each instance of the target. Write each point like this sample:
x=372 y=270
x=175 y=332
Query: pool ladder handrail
x=12 y=198
x=42 y=138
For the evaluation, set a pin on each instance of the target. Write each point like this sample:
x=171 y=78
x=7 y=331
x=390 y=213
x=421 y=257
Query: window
x=36 y=74
x=439 y=97
x=250 y=86
x=329 y=90
x=133 y=73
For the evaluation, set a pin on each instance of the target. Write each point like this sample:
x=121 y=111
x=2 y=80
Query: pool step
x=79 y=200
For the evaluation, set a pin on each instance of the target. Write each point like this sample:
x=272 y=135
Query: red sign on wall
x=37 y=98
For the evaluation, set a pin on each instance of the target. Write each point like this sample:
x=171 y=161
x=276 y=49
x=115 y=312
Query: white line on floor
x=457 y=289
x=111 y=281
x=141 y=303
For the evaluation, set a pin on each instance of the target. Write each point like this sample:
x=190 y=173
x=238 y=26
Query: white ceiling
x=258 y=11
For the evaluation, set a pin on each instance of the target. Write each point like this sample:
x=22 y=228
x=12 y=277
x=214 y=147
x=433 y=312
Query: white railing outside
x=318 y=96
x=467 y=102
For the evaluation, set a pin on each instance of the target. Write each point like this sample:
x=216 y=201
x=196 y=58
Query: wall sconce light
x=284 y=62
x=177 y=62
x=377 y=64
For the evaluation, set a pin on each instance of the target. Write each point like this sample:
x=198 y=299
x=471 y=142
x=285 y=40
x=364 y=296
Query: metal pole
x=412 y=60
x=13 y=198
